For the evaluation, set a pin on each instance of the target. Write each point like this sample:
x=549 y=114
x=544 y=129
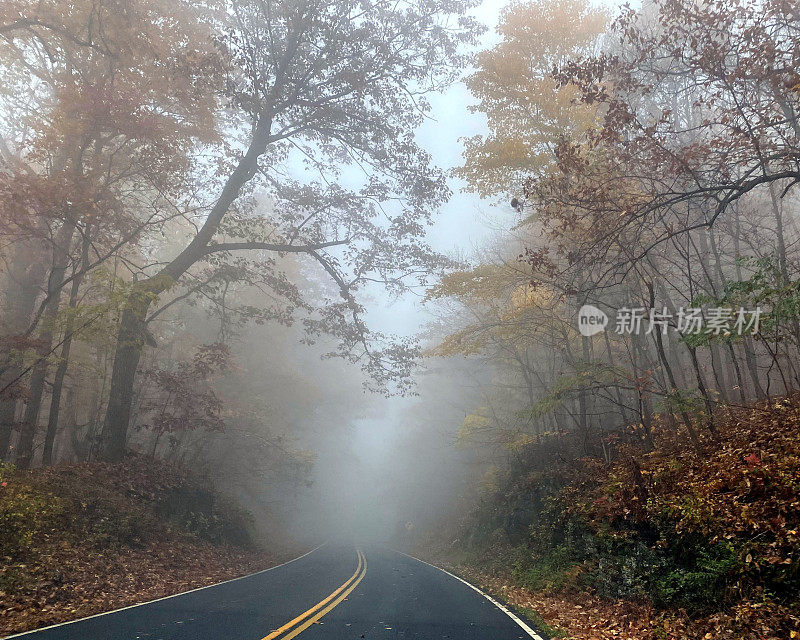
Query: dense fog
x=484 y=279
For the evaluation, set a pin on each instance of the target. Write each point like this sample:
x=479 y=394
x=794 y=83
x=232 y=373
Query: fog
x=304 y=440
x=395 y=463
x=509 y=284
x=388 y=470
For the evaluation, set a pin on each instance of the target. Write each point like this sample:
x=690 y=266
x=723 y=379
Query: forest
x=513 y=287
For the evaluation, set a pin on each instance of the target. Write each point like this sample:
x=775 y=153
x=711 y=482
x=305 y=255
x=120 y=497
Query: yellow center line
x=327 y=609
x=342 y=592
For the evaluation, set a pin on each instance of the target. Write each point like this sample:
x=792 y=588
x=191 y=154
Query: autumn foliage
x=643 y=483
x=694 y=544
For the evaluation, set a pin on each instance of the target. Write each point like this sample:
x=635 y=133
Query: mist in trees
x=658 y=173
x=189 y=224
x=198 y=231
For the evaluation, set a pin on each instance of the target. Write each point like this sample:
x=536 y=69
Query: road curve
x=333 y=593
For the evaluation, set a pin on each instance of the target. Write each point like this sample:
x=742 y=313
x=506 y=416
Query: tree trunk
x=671 y=376
x=36 y=392
x=645 y=413
x=130 y=341
x=701 y=385
x=750 y=357
x=752 y=367
x=8 y=410
x=583 y=400
x=23 y=285
x=777 y=209
x=132 y=331
x=623 y=409
x=717 y=364
x=63 y=365
x=684 y=416
x=27 y=434
x=583 y=396
x=738 y=371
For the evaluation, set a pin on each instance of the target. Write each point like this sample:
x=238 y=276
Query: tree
x=695 y=117
x=525 y=109
x=184 y=400
x=332 y=85
x=108 y=141
x=516 y=313
x=638 y=142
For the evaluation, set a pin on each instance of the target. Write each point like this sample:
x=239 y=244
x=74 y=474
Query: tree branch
x=267 y=246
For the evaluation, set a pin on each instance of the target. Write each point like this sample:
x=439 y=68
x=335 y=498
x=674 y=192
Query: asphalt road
x=333 y=593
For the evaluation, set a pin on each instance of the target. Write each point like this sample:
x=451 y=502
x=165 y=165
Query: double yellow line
x=314 y=614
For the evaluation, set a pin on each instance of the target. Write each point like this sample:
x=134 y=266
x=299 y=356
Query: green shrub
x=551 y=572
x=623 y=569
x=700 y=585
x=687 y=571
x=109 y=528
x=227 y=523
x=26 y=513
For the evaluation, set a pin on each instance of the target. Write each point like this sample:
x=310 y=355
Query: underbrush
x=111 y=506
x=79 y=539
x=716 y=535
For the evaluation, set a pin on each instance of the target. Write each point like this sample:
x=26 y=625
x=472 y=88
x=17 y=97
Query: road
x=332 y=593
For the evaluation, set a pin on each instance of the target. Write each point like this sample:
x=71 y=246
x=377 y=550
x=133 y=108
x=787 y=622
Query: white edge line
x=500 y=606
x=174 y=595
